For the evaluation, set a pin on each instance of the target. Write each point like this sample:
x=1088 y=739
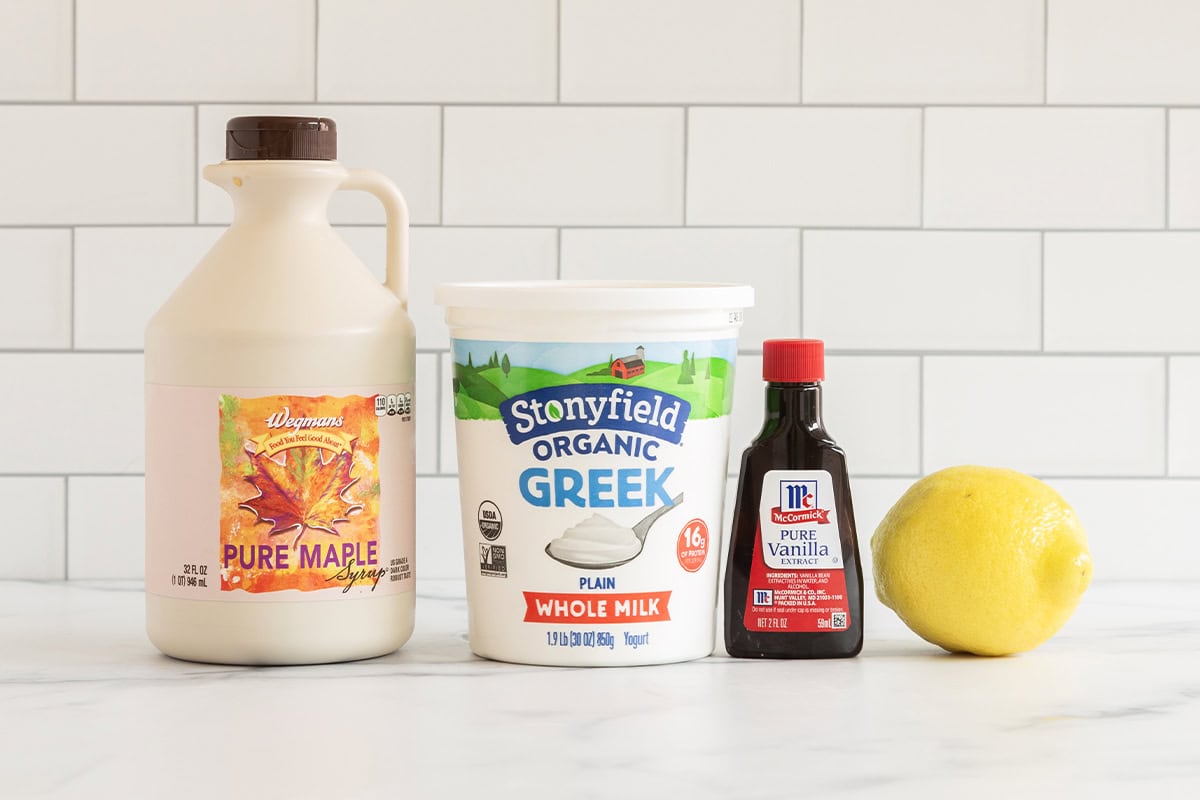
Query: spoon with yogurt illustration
x=599 y=543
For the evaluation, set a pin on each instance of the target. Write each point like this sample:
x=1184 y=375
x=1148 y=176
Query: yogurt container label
x=592 y=477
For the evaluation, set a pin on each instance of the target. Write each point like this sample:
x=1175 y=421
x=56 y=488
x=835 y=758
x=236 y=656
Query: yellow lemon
x=981 y=560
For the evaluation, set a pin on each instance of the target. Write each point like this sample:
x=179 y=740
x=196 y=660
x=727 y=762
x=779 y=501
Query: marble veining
x=90 y=709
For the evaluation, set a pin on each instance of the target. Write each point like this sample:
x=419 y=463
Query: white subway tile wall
x=1045 y=167
x=70 y=413
x=106 y=517
x=680 y=51
x=218 y=50
x=1183 y=443
x=98 y=165
x=923 y=51
x=1123 y=51
x=34 y=535
x=563 y=166
x=35 y=303
x=1183 y=175
x=1093 y=305
x=990 y=211
x=815 y=167
x=1051 y=415
x=36 y=56
x=907 y=290
x=448 y=51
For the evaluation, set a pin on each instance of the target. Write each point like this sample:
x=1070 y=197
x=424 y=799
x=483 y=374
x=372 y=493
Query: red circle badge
x=691 y=548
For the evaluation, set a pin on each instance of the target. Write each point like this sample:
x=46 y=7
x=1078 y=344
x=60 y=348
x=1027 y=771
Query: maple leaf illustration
x=305 y=492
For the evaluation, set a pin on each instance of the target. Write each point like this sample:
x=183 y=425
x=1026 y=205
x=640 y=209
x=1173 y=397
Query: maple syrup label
x=312 y=499
x=797 y=576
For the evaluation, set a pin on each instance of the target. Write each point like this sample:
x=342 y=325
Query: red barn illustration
x=629 y=366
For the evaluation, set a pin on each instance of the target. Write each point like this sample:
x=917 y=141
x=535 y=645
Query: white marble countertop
x=90 y=709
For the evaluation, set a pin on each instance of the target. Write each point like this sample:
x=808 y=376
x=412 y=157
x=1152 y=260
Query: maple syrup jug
x=279 y=422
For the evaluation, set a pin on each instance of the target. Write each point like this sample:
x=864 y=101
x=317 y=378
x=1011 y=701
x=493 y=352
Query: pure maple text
x=315 y=555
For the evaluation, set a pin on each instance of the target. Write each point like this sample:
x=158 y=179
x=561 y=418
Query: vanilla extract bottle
x=793 y=581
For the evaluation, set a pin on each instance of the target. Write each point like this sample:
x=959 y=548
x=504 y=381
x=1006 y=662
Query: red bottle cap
x=793 y=360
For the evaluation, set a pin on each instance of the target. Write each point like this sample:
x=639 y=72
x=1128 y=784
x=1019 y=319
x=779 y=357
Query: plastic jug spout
x=291 y=190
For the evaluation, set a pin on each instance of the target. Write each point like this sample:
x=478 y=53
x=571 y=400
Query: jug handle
x=365 y=180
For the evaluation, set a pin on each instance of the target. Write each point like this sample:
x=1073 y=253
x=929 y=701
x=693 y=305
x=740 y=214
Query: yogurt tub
x=592 y=421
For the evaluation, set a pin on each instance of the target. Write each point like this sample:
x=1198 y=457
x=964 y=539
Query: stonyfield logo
x=595 y=406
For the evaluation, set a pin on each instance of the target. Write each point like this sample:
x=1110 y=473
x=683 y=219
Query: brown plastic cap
x=281 y=139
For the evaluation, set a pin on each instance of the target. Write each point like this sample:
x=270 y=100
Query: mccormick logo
x=798 y=504
x=591 y=406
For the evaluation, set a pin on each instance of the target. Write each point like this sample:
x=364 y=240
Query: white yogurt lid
x=594 y=295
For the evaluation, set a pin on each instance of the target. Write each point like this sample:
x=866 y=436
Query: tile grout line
x=800 y=65
x=873 y=475
x=909 y=476
x=316 y=50
x=1042 y=292
x=71 y=300
x=687 y=113
x=66 y=482
x=921 y=175
x=774 y=226
x=745 y=351
x=441 y=166
x=65 y=475
x=921 y=415
x=850 y=353
x=74 y=50
x=1166 y=169
x=68 y=351
x=542 y=104
x=437 y=461
x=1045 y=52
x=1167 y=416
x=800 y=280
x=558 y=19
x=196 y=165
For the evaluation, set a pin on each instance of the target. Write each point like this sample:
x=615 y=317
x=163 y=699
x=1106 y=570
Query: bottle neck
x=278 y=191
x=798 y=403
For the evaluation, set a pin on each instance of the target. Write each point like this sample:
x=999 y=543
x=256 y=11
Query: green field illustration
x=706 y=383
